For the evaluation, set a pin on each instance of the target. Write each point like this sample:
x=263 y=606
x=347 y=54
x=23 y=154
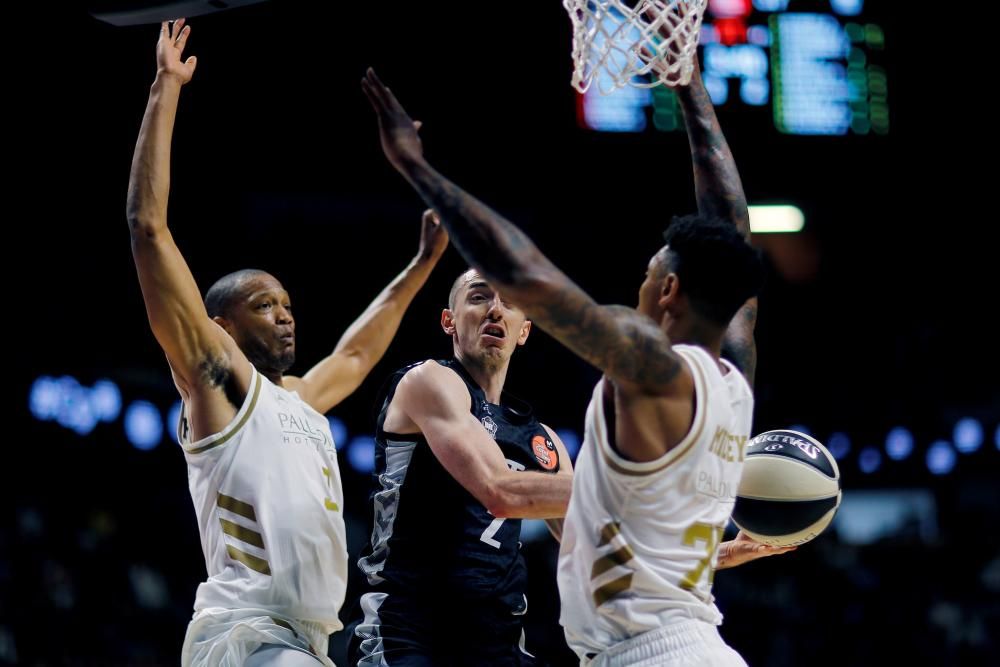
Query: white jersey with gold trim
x=269 y=501
x=640 y=539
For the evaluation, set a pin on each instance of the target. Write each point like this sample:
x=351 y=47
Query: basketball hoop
x=614 y=41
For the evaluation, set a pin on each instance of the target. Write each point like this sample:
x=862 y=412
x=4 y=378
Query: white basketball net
x=616 y=40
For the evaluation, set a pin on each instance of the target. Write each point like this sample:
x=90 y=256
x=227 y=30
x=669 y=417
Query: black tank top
x=430 y=535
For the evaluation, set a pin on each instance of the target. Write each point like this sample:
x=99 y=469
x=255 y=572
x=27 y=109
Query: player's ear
x=448 y=321
x=525 y=330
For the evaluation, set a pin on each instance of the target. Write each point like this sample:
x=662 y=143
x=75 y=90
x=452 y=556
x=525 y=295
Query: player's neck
x=489 y=374
x=692 y=331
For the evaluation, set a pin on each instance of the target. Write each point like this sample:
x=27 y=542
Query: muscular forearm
x=149 y=179
x=532 y=495
x=717 y=181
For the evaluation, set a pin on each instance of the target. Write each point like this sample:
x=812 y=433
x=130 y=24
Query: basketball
x=790 y=489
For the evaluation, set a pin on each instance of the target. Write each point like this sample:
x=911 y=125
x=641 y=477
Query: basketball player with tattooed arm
x=655 y=480
x=262 y=469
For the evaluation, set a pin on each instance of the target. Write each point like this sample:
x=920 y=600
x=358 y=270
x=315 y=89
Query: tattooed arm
x=720 y=194
x=626 y=345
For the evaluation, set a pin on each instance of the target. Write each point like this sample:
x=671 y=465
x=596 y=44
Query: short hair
x=455 y=286
x=717 y=268
x=227 y=290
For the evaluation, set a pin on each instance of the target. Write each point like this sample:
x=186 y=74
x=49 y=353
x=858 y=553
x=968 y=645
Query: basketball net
x=615 y=41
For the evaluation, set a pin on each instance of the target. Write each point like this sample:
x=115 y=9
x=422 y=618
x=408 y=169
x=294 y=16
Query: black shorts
x=410 y=632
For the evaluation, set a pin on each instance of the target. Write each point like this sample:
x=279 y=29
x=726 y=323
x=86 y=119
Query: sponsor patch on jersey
x=490 y=426
x=545 y=452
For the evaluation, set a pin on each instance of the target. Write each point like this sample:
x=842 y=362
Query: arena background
x=875 y=316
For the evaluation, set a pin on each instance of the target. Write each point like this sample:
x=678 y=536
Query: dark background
x=876 y=315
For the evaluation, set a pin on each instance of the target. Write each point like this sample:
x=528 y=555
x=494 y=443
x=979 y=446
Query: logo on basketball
x=545 y=452
x=779 y=439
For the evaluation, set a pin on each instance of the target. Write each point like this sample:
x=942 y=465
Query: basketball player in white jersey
x=655 y=481
x=262 y=468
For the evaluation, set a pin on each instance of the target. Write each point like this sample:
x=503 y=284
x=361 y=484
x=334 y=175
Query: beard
x=265 y=359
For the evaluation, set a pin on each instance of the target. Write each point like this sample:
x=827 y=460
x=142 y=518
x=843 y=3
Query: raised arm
x=719 y=192
x=624 y=344
x=334 y=378
x=199 y=351
x=437 y=402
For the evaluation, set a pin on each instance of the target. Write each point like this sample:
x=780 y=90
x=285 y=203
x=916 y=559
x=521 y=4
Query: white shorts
x=686 y=643
x=227 y=637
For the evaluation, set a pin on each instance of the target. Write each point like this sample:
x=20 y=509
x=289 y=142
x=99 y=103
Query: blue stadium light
x=361 y=453
x=143 y=425
x=869 y=460
x=75 y=412
x=755 y=92
x=809 y=81
x=770 y=5
x=338 y=429
x=839 y=445
x=968 y=435
x=996 y=437
x=106 y=400
x=173 y=417
x=847 y=7
x=759 y=35
x=741 y=60
x=940 y=458
x=43 y=398
x=571 y=440
x=717 y=87
x=621 y=111
x=801 y=428
x=899 y=443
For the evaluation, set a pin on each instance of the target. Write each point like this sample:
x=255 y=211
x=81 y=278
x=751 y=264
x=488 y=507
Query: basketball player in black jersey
x=458 y=464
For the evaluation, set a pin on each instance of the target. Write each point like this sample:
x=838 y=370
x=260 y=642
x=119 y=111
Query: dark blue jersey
x=430 y=535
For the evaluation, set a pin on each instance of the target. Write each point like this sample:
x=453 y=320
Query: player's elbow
x=500 y=503
x=144 y=227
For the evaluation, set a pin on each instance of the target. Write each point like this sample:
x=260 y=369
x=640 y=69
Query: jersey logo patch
x=545 y=452
x=490 y=426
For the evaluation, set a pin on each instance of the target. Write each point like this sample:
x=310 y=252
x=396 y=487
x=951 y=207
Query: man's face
x=484 y=327
x=261 y=323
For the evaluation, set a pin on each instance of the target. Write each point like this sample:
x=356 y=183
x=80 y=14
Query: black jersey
x=430 y=535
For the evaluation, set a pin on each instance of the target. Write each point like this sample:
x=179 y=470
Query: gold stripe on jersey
x=612 y=588
x=236 y=429
x=245 y=510
x=617 y=558
x=613 y=559
x=608 y=532
x=674 y=455
x=242 y=533
x=254 y=563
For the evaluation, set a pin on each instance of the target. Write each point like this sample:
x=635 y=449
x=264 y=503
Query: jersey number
x=490 y=531
x=710 y=535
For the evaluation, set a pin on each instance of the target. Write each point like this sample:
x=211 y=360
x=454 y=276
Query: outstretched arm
x=436 y=401
x=337 y=376
x=719 y=192
x=199 y=351
x=625 y=345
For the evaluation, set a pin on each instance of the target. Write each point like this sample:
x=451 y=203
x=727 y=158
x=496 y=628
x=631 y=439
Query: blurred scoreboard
x=815 y=64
